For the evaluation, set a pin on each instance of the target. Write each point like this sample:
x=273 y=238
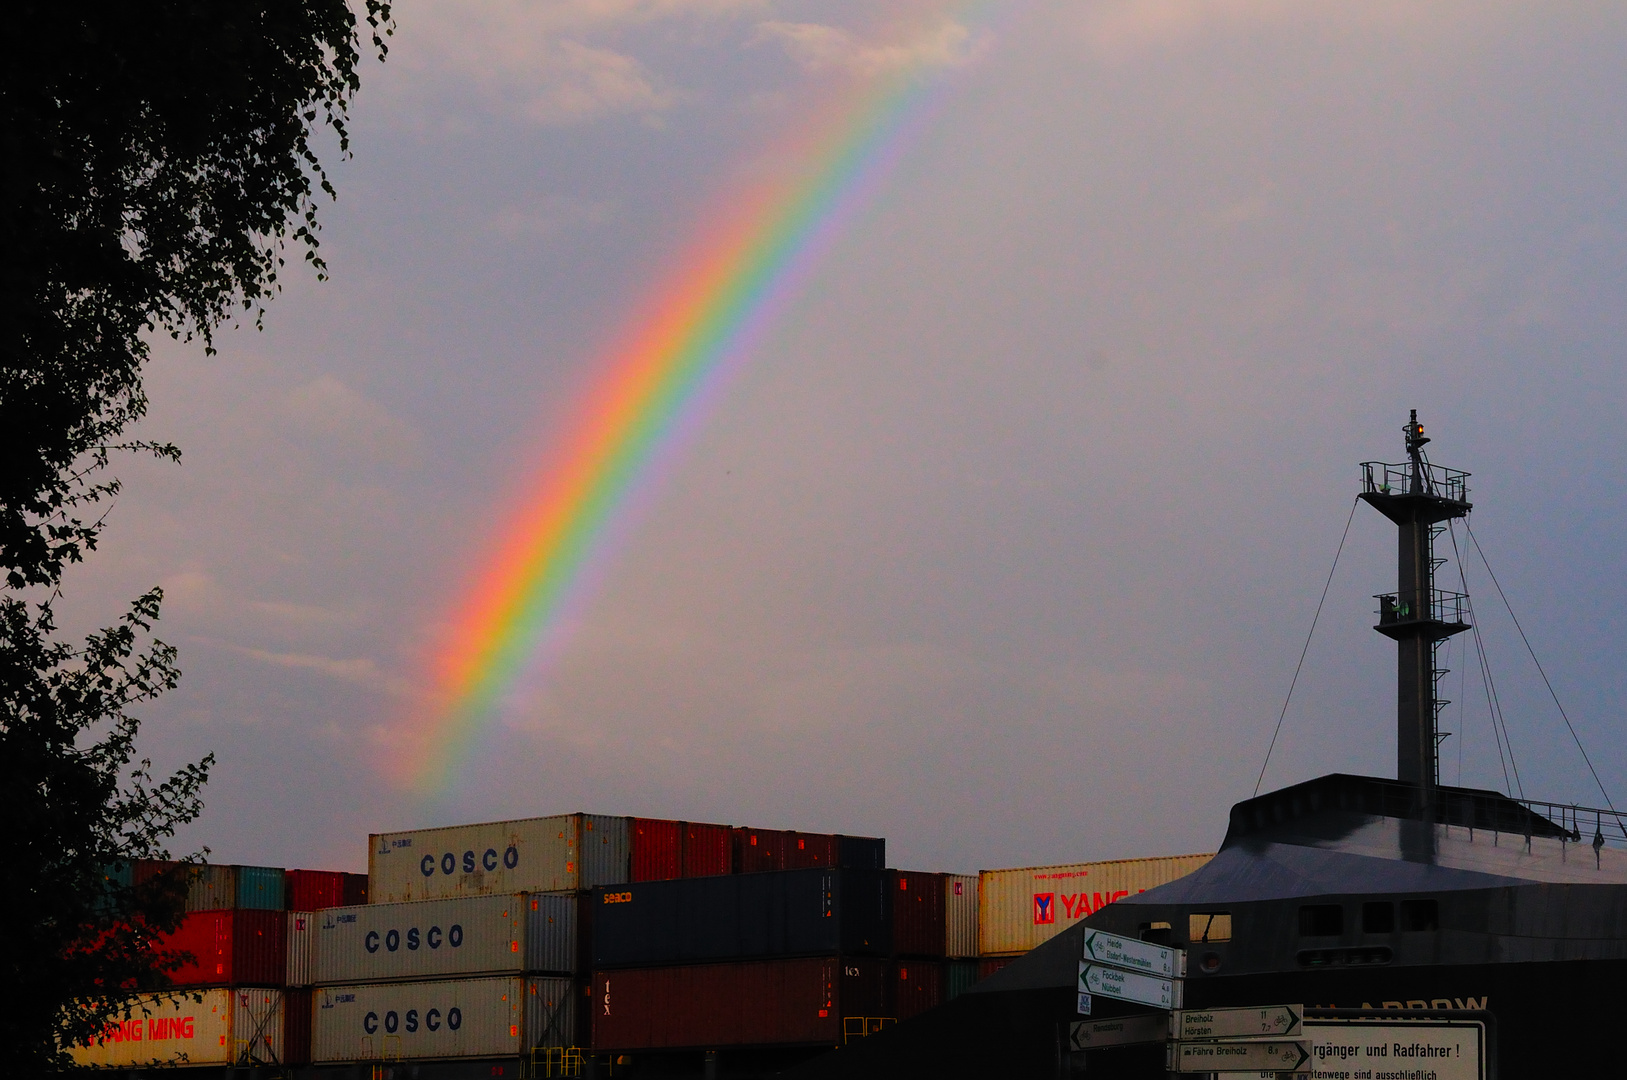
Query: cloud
x=530 y=59
x=360 y=671
x=825 y=48
x=1120 y=27
x=586 y=82
x=349 y=422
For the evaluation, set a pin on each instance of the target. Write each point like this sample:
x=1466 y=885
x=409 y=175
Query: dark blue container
x=861 y=852
x=744 y=916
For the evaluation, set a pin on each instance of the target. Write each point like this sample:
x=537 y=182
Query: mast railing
x=1446 y=607
x=1382 y=478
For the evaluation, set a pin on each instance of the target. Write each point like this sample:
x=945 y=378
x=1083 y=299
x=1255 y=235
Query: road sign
x=1278 y=1021
x=1085 y=1004
x=1250 y=1055
x=1147 y=1028
x=1129 y=986
x=1446 y=1049
x=1103 y=948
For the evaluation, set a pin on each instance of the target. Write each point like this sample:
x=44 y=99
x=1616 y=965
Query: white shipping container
x=551 y=933
x=960 y=915
x=564 y=853
x=550 y=1013
x=1024 y=907
x=225 y=1027
x=427 y=939
x=457 y=1018
x=301 y=967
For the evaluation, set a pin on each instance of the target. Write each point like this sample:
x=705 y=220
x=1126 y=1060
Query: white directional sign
x=1129 y=986
x=1147 y=1028
x=1149 y=959
x=1279 y=1021
x=1251 y=1055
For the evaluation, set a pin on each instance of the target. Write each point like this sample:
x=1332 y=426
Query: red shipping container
x=989 y=965
x=312 y=890
x=712 y=1006
x=245 y=947
x=657 y=849
x=918 y=913
x=708 y=850
x=919 y=986
x=805 y=850
x=355 y=889
x=296 y=1027
x=758 y=850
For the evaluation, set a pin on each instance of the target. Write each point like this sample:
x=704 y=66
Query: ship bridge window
x=1209 y=926
x=1158 y=933
x=1420 y=913
x=1378 y=917
x=1321 y=920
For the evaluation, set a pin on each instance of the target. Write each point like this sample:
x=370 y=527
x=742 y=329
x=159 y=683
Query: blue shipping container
x=773 y=914
x=861 y=852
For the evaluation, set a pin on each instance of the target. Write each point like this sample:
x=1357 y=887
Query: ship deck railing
x=1586 y=824
x=1385 y=478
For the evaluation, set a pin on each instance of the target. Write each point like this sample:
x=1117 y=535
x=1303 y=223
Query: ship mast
x=1418 y=497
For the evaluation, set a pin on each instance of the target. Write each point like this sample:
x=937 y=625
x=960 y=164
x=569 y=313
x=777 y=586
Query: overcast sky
x=1005 y=544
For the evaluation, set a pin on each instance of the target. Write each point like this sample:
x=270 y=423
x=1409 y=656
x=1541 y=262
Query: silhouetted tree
x=156 y=165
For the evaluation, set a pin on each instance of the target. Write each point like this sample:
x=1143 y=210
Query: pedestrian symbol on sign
x=1044 y=908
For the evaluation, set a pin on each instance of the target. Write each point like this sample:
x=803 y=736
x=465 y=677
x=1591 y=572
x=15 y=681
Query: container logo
x=392 y=938
x=157 y=1029
x=1078 y=905
x=394 y=1021
x=449 y=861
x=1044 y=908
x=618 y=897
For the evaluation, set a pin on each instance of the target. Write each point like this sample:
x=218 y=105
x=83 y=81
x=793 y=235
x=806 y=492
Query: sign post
x=1131 y=986
x=1124 y=1031
x=1133 y=955
x=1241 y=1055
x=1276 y=1021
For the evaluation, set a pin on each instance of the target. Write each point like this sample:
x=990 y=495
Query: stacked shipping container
x=789 y=913
x=752 y=1003
x=565 y=853
x=234 y=935
x=477 y=942
x=223 y=1027
x=448 y=1018
x=1027 y=906
x=494 y=915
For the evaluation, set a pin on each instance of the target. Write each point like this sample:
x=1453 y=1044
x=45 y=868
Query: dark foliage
x=78 y=815
x=155 y=158
x=156 y=165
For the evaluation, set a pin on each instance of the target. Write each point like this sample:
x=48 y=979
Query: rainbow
x=748 y=263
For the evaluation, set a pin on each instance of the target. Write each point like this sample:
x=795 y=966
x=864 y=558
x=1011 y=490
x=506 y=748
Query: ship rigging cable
x=1295 y=680
x=1494 y=703
x=1563 y=715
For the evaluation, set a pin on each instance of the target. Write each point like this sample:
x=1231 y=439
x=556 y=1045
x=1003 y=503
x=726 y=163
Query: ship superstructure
x=1354 y=892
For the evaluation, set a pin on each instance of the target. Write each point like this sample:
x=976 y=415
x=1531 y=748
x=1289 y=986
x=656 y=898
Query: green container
x=961 y=975
x=260 y=887
x=116 y=877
